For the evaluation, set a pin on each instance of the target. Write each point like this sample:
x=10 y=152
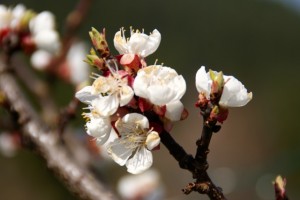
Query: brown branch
x=76 y=17
x=67 y=114
x=185 y=160
x=78 y=179
x=197 y=166
x=38 y=88
x=73 y=22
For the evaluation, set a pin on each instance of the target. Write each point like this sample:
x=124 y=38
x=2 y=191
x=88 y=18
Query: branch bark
x=197 y=166
x=47 y=143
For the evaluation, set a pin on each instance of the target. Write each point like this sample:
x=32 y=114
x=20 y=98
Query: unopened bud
x=24 y=22
x=220 y=80
x=217 y=83
x=219 y=114
x=212 y=74
x=202 y=101
x=99 y=42
x=214 y=112
x=95 y=61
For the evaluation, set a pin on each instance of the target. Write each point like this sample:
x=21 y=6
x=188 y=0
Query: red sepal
x=144 y=104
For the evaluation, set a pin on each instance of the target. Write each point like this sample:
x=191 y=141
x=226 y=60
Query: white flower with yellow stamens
x=139 y=43
x=107 y=93
x=134 y=146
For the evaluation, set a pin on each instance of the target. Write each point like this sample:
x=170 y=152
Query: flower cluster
x=130 y=99
x=130 y=103
x=21 y=28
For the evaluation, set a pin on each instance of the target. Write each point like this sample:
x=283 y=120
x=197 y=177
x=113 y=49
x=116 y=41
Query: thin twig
x=72 y=24
x=67 y=114
x=197 y=167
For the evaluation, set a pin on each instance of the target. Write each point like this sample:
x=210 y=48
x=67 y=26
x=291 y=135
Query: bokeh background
x=257 y=41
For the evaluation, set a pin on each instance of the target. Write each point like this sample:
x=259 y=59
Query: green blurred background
x=257 y=41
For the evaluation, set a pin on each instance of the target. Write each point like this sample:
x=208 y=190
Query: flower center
x=133 y=134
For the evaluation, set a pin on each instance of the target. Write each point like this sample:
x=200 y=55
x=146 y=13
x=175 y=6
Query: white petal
x=120 y=43
x=159 y=84
x=140 y=85
x=79 y=70
x=43 y=21
x=140 y=162
x=178 y=82
x=17 y=13
x=40 y=59
x=152 y=140
x=118 y=151
x=5 y=16
x=48 y=40
x=101 y=85
x=130 y=186
x=106 y=105
x=203 y=83
x=137 y=42
x=126 y=95
x=99 y=127
x=174 y=110
x=112 y=137
x=166 y=93
x=103 y=139
x=234 y=93
x=151 y=44
x=160 y=94
x=85 y=95
x=136 y=118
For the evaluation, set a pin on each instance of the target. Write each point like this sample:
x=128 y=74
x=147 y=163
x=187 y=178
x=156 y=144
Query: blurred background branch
x=47 y=143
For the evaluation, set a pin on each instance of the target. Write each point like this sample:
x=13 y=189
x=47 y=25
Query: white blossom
x=5 y=16
x=100 y=128
x=42 y=22
x=159 y=84
x=40 y=59
x=47 y=40
x=11 y=17
x=103 y=145
x=131 y=148
x=79 y=71
x=234 y=92
x=107 y=93
x=146 y=186
x=138 y=43
x=43 y=32
x=17 y=14
x=97 y=126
